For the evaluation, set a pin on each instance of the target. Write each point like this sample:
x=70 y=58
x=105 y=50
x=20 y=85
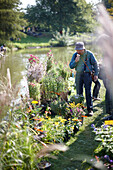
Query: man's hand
x=95 y=78
x=77 y=58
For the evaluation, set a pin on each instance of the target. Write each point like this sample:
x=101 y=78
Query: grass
x=30 y=41
x=82 y=146
x=44 y=41
x=41 y=39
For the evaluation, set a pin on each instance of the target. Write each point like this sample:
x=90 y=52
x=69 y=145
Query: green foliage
x=11 y=20
x=77 y=99
x=36 y=69
x=56 y=15
x=52 y=85
x=109 y=6
x=17 y=143
x=62 y=39
x=63 y=71
x=34 y=90
x=59 y=107
x=49 y=61
x=57 y=128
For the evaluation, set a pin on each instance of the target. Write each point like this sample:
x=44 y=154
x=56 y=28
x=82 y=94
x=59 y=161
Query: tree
x=109 y=6
x=11 y=20
x=59 y=14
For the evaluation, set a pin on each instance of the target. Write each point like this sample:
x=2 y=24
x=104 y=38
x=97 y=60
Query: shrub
x=34 y=90
x=62 y=39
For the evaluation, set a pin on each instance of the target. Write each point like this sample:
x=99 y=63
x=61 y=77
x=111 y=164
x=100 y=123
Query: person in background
x=84 y=62
x=3 y=48
x=109 y=92
x=96 y=88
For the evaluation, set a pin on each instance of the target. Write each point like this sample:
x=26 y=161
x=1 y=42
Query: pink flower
x=34 y=61
x=30 y=59
x=78 y=109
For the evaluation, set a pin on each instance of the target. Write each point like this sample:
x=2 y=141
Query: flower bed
x=104 y=135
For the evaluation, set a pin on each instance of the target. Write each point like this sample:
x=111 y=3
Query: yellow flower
x=56 y=123
x=67 y=109
x=75 y=119
x=63 y=120
x=42 y=119
x=34 y=102
x=78 y=105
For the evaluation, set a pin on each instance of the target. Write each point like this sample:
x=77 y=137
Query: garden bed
x=52 y=116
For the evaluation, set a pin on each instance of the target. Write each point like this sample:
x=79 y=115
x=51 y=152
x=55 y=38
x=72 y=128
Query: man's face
x=80 y=51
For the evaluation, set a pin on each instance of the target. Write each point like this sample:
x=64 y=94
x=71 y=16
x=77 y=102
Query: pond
x=17 y=62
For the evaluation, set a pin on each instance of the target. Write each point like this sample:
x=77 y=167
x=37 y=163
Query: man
x=84 y=63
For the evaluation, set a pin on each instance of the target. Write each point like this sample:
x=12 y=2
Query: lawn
x=30 y=41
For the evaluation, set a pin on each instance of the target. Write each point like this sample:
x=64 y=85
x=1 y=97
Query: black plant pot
x=44 y=165
x=67 y=137
x=76 y=129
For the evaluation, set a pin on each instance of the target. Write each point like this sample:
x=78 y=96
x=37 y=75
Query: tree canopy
x=109 y=6
x=11 y=20
x=58 y=14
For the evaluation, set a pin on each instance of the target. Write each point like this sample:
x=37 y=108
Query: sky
x=32 y=2
x=26 y=2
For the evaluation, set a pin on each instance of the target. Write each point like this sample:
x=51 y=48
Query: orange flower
x=36 y=118
x=83 y=116
x=97 y=158
x=38 y=129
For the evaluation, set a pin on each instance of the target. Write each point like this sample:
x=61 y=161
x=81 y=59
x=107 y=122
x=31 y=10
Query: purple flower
x=92 y=125
x=111 y=161
x=95 y=129
x=71 y=110
x=105 y=126
x=106 y=156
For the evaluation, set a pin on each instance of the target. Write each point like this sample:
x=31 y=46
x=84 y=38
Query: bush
x=62 y=39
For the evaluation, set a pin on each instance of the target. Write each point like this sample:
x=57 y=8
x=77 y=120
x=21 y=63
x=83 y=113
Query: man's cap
x=79 y=46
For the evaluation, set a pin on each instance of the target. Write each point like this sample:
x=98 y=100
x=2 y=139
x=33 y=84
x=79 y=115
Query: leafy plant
x=62 y=39
x=34 y=90
x=17 y=143
x=59 y=107
x=104 y=135
x=36 y=70
x=63 y=71
x=8 y=92
x=33 y=59
x=76 y=110
x=52 y=85
x=77 y=99
x=49 y=60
